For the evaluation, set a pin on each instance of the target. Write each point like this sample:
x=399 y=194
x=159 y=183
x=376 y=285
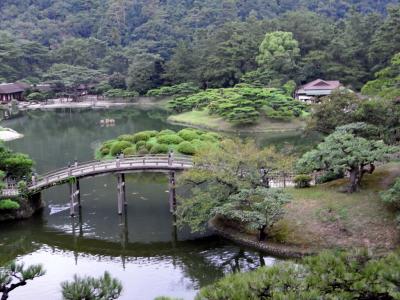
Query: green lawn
x=323 y=217
x=201 y=119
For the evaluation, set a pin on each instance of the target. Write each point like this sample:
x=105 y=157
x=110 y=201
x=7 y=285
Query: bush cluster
x=120 y=93
x=302 y=181
x=186 y=141
x=242 y=104
x=175 y=90
x=8 y=204
x=330 y=275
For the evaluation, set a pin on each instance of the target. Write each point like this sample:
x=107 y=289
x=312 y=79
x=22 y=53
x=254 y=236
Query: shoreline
x=8 y=134
x=271 y=248
x=92 y=102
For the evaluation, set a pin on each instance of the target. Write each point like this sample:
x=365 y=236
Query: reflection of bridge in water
x=120 y=166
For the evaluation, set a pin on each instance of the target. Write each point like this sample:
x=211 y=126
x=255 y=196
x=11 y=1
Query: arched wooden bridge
x=119 y=166
x=161 y=163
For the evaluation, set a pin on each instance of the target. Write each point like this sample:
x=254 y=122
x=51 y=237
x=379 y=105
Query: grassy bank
x=201 y=119
x=322 y=217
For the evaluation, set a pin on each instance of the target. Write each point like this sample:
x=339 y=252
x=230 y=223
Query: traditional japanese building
x=12 y=91
x=312 y=91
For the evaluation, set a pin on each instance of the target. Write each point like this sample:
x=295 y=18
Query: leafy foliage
x=15 y=165
x=302 y=181
x=120 y=93
x=241 y=105
x=212 y=44
x=258 y=209
x=15 y=275
x=387 y=82
x=344 y=152
x=175 y=90
x=92 y=288
x=8 y=204
x=187 y=141
x=371 y=119
x=219 y=176
x=345 y=276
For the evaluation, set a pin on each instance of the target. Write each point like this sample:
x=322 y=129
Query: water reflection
x=142 y=248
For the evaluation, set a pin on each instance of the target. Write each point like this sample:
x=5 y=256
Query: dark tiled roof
x=10 y=88
x=320 y=84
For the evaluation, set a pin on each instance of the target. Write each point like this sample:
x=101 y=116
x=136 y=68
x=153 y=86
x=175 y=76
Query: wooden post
x=124 y=189
x=284 y=180
x=119 y=191
x=78 y=193
x=71 y=199
x=172 y=192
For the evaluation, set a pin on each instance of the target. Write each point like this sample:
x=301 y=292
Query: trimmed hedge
x=170 y=139
x=126 y=137
x=159 y=149
x=8 y=204
x=130 y=151
x=188 y=134
x=187 y=141
x=119 y=147
x=302 y=181
x=186 y=148
x=166 y=131
x=141 y=136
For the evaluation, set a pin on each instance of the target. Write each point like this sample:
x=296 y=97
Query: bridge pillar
x=121 y=192
x=78 y=193
x=71 y=199
x=124 y=189
x=172 y=192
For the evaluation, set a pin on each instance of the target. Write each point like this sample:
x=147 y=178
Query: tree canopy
x=210 y=43
x=345 y=152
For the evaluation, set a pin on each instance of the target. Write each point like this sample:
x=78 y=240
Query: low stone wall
x=29 y=207
x=275 y=249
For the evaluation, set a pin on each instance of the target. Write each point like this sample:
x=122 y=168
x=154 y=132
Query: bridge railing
x=96 y=165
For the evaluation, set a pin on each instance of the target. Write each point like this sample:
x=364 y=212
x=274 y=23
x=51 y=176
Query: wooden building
x=12 y=91
x=312 y=91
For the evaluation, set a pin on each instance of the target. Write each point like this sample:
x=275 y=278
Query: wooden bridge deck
x=128 y=164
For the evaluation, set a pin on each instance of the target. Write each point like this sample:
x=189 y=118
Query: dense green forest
x=210 y=43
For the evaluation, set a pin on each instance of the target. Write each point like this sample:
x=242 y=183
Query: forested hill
x=123 y=21
x=209 y=42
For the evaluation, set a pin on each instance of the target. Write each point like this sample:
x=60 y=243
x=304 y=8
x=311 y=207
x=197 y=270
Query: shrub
x=119 y=147
x=105 y=150
x=159 y=149
x=210 y=137
x=142 y=151
x=280 y=232
x=36 y=96
x=130 y=151
x=329 y=176
x=186 y=148
x=120 y=93
x=180 y=89
x=150 y=144
x=166 y=131
x=8 y=204
x=188 y=134
x=392 y=196
x=170 y=139
x=140 y=144
x=302 y=181
x=126 y=137
x=151 y=133
x=141 y=136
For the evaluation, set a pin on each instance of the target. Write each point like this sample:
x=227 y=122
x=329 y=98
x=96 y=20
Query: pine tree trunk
x=261 y=234
x=355 y=179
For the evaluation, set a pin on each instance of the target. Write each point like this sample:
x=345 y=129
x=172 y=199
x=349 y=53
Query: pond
x=141 y=248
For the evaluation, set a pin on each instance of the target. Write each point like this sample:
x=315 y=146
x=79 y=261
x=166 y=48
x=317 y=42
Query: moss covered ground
x=202 y=119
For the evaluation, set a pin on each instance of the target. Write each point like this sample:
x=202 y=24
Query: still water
x=141 y=248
